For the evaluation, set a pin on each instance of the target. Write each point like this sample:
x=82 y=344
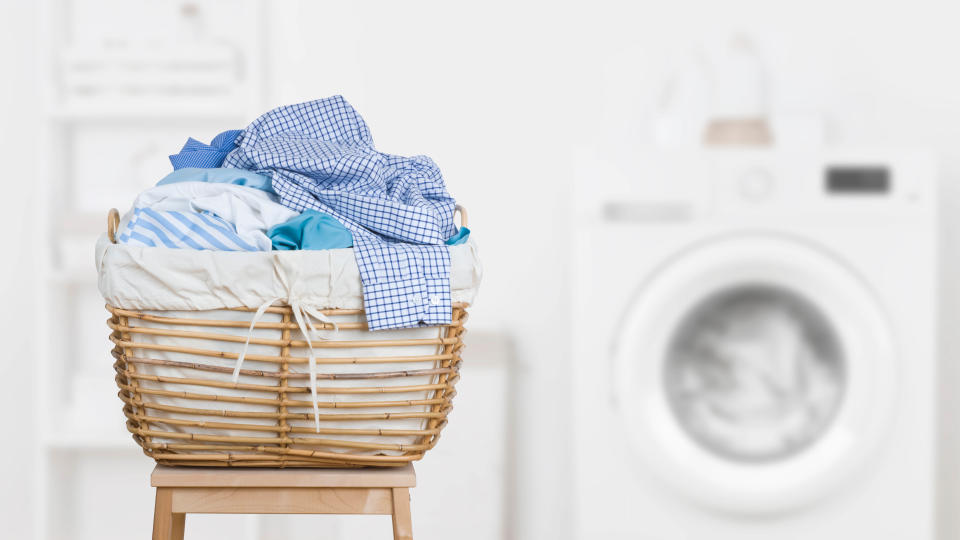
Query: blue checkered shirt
x=320 y=156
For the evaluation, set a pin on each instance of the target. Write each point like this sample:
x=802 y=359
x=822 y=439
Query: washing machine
x=754 y=344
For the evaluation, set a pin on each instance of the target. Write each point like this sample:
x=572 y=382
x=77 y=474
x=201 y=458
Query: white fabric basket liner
x=139 y=278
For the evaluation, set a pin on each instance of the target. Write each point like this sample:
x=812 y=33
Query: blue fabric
x=320 y=156
x=220 y=175
x=181 y=230
x=461 y=237
x=310 y=230
x=197 y=154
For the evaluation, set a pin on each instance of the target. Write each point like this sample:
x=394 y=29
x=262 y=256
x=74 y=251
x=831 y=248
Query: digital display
x=849 y=180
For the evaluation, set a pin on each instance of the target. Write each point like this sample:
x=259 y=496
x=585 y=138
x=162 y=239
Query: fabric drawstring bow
x=301 y=314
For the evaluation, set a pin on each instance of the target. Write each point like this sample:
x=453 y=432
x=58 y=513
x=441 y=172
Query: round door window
x=754 y=373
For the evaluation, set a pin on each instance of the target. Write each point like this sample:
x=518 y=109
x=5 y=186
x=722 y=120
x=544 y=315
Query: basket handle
x=113 y=223
x=463 y=215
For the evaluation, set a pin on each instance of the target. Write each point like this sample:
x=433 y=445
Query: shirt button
x=434 y=300
x=415 y=300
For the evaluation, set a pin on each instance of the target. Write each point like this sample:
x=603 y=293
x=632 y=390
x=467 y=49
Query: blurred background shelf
x=91 y=441
x=152 y=112
x=125 y=85
x=74 y=276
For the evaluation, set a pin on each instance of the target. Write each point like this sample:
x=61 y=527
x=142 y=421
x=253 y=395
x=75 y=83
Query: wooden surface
x=187 y=490
x=391 y=477
x=402 y=523
x=276 y=500
x=166 y=524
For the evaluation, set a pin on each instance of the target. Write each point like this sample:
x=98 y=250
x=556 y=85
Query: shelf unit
x=98 y=88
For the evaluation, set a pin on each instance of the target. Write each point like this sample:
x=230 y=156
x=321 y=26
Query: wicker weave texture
x=384 y=396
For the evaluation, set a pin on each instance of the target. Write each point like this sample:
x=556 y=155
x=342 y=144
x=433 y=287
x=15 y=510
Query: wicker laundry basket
x=383 y=396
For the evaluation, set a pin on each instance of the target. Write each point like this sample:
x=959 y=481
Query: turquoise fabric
x=222 y=175
x=459 y=238
x=310 y=230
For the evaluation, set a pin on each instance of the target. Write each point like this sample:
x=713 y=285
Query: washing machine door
x=755 y=373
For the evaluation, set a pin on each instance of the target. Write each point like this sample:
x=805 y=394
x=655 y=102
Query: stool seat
x=187 y=490
x=164 y=476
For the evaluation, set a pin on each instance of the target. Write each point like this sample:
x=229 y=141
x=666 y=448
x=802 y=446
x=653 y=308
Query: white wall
x=498 y=93
x=17 y=145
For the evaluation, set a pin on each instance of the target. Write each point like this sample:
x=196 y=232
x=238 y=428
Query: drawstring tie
x=302 y=314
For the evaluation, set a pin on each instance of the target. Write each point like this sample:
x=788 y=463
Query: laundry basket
x=382 y=398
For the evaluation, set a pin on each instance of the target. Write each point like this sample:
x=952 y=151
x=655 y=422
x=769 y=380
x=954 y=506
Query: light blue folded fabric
x=462 y=235
x=219 y=175
x=310 y=230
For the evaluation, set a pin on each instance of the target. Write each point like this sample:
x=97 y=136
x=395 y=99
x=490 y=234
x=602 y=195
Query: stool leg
x=179 y=523
x=402 y=526
x=166 y=524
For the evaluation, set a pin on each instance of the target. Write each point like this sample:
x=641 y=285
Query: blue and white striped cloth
x=320 y=155
x=181 y=230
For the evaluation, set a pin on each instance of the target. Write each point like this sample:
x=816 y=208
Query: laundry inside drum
x=755 y=373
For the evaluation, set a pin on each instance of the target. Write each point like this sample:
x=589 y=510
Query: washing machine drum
x=755 y=373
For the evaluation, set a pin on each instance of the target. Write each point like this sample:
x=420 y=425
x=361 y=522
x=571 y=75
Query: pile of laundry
x=308 y=177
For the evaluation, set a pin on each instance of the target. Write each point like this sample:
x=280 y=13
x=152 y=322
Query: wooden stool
x=186 y=490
